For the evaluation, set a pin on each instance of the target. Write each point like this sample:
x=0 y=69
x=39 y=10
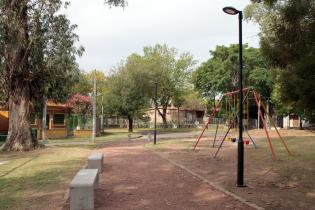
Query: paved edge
x=215 y=186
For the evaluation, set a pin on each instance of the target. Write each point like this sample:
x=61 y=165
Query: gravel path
x=135 y=178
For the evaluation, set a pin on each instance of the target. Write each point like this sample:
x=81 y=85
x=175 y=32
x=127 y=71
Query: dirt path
x=135 y=178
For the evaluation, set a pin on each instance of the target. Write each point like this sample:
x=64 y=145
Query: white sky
x=197 y=26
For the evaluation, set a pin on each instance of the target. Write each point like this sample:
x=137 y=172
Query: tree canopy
x=127 y=94
x=132 y=83
x=171 y=71
x=287 y=41
x=220 y=73
x=38 y=58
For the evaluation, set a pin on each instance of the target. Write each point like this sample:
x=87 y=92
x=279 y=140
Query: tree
x=84 y=85
x=80 y=105
x=220 y=73
x=178 y=101
x=37 y=51
x=127 y=95
x=171 y=71
x=287 y=41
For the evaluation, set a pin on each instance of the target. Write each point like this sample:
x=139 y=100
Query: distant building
x=60 y=123
x=182 y=116
x=293 y=121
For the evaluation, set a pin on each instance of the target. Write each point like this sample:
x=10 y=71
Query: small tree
x=172 y=73
x=127 y=94
x=80 y=105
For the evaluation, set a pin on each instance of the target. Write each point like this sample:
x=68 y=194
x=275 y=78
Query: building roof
x=50 y=105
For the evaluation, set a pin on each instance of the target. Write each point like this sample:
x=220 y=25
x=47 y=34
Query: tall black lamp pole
x=240 y=145
x=155 y=112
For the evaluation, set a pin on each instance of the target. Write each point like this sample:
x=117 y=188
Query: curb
x=215 y=186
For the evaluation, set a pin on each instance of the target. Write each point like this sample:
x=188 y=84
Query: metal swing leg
x=215 y=136
x=251 y=139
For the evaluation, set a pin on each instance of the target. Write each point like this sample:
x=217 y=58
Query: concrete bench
x=82 y=189
x=95 y=161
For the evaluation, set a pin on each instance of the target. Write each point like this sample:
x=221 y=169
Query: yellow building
x=60 y=123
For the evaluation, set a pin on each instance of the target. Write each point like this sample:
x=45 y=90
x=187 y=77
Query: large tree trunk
x=16 y=56
x=19 y=135
x=164 y=117
x=178 y=117
x=130 y=124
x=44 y=119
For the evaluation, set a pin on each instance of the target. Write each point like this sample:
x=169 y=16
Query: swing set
x=232 y=118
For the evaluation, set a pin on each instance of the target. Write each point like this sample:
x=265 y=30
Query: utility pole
x=94 y=108
x=258 y=115
x=102 y=118
x=44 y=119
x=155 y=112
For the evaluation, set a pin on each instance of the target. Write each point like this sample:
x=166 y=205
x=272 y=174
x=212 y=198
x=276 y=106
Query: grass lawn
x=144 y=130
x=39 y=179
x=286 y=183
x=107 y=137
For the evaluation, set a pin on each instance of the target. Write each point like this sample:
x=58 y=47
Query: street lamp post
x=240 y=144
x=155 y=112
x=94 y=108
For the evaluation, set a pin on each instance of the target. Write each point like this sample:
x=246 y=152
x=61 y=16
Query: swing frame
x=260 y=105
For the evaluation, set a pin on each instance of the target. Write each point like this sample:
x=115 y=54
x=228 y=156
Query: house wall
x=57 y=133
x=293 y=121
x=185 y=116
x=4 y=122
x=82 y=133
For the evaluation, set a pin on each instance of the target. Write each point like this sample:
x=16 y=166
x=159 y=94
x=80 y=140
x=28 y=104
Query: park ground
x=40 y=179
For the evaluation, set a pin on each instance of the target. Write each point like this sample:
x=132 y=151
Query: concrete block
x=82 y=189
x=95 y=161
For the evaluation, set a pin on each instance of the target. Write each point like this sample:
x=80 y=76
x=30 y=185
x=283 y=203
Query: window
x=47 y=121
x=59 y=119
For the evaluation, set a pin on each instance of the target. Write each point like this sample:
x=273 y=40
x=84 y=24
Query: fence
x=138 y=123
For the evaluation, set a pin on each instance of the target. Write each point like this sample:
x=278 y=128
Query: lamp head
x=231 y=10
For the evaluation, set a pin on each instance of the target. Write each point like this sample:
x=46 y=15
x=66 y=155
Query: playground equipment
x=232 y=119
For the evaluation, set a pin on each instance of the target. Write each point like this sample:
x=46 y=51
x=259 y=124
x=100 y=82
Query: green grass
x=177 y=130
x=108 y=136
x=28 y=180
x=144 y=130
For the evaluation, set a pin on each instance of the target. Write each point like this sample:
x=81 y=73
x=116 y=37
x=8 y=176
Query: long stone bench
x=82 y=189
x=95 y=161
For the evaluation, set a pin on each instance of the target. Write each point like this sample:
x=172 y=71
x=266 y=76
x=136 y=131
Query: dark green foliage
x=220 y=73
x=288 y=42
x=116 y=3
x=127 y=90
x=37 y=60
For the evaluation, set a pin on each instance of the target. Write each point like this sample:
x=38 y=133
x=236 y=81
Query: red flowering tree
x=80 y=104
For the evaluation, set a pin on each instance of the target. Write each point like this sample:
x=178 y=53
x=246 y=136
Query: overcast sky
x=111 y=34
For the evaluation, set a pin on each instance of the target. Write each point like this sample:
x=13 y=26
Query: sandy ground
x=135 y=178
x=270 y=184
